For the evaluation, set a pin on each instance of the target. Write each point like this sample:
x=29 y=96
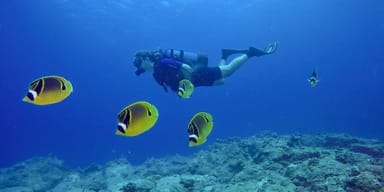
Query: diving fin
x=271 y=48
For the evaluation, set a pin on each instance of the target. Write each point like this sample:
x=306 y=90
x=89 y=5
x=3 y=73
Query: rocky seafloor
x=266 y=162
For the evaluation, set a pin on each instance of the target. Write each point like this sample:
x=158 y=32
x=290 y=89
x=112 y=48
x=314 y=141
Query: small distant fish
x=199 y=128
x=185 y=88
x=48 y=90
x=136 y=119
x=313 y=79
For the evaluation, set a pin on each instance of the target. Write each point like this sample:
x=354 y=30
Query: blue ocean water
x=92 y=43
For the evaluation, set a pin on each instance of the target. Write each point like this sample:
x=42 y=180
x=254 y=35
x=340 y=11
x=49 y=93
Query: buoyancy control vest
x=167 y=73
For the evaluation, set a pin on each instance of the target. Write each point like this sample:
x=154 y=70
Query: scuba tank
x=190 y=58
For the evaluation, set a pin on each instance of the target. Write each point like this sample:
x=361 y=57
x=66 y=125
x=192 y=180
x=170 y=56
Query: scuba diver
x=181 y=71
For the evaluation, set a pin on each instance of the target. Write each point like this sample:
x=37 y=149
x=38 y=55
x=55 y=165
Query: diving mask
x=139 y=60
x=137 y=63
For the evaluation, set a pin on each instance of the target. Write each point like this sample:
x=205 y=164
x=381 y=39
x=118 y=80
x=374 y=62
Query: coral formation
x=266 y=162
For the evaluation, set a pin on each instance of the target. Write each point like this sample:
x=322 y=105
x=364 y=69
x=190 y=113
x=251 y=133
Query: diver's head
x=144 y=61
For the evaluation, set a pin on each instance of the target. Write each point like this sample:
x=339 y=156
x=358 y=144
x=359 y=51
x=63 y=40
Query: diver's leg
x=234 y=65
x=225 y=53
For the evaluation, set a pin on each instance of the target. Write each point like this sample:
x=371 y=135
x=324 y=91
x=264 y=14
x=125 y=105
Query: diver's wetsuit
x=205 y=76
x=167 y=72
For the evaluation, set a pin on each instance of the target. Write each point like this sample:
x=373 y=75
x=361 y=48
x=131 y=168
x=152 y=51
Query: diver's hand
x=186 y=68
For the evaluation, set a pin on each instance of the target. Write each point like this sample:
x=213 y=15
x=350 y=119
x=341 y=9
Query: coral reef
x=266 y=162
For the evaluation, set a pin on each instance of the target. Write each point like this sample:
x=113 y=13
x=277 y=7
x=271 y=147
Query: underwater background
x=92 y=44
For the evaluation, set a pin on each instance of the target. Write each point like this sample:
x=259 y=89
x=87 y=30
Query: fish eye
x=37 y=86
x=192 y=130
x=121 y=116
x=127 y=117
x=34 y=84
